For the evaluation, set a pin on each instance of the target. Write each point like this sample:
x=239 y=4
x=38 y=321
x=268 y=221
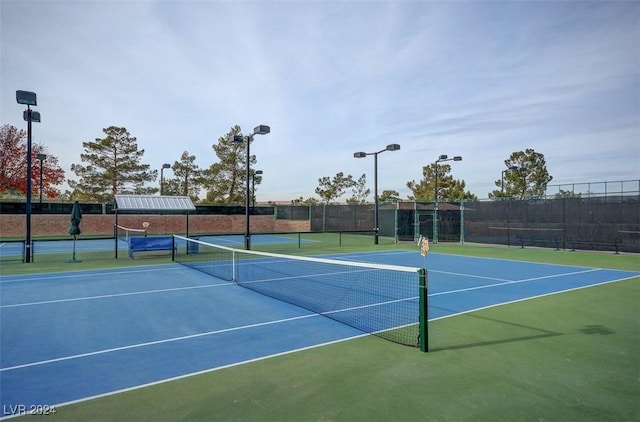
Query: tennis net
x=126 y=233
x=378 y=299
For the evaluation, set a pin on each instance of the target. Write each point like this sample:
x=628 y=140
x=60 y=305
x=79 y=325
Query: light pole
x=502 y=183
x=41 y=157
x=253 y=185
x=360 y=154
x=440 y=159
x=164 y=166
x=29 y=99
x=258 y=130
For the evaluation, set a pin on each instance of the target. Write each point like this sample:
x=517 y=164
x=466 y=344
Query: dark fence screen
x=611 y=223
x=292 y=212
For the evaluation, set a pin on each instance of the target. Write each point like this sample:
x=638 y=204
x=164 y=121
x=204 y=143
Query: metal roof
x=153 y=202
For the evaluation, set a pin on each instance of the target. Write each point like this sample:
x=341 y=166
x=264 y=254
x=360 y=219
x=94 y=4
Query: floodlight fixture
x=521 y=170
x=261 y=130
x=164 y=166
x=27 y=98
x=253 y=185
x=35 y=115
x=361 y=154
x=457 y=158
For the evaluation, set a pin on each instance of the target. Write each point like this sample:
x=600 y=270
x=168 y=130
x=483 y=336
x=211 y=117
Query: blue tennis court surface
x=69 y=336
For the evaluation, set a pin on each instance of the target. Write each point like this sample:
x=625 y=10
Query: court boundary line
x=86 y=273
x=507 y=282
x=408 y=251
x=141 y=292
x=535 y=297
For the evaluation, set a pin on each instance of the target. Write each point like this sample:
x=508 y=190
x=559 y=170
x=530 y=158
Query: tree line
x=113 y=165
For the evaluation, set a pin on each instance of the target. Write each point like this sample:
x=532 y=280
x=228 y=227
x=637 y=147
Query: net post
x=115 y=236
x=173 y=248
x=424 y=331
x=233 y=266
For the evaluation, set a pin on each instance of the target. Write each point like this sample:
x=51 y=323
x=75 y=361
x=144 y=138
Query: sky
x=479 y=79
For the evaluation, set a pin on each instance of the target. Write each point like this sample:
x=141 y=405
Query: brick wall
x=13 y=225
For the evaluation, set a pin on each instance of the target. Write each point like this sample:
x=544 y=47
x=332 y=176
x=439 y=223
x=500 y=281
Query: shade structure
x=153 y=203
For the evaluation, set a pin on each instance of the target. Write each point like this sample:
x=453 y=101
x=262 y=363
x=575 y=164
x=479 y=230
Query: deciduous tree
x=13 y=165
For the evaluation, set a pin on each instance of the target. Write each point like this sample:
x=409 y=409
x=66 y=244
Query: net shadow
x=473 y=330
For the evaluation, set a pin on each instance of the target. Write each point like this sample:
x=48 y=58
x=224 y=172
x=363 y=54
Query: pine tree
x=448 y=187
x=112 y=166
x=329 y=189
x=360 y=192
x=225 y=180
x=187 y=178
x=525 y=176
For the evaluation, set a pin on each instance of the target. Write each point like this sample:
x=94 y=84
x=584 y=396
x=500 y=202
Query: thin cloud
x=481 y=80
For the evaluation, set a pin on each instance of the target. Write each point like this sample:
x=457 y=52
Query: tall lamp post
x=360 y=154
x=41 y=157
x=29 y=99
x=164 y=166
x=440 y=159
x=258 y=130
x=253 y=185
x=502 y=182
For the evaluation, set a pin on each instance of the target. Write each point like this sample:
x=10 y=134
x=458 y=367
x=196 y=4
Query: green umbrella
x=74 y=230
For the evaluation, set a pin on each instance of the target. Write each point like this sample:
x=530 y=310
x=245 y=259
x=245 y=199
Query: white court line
x=142 y=292
x=495 y=305
x=92 y=273
x=526 y=280
x=152 y=343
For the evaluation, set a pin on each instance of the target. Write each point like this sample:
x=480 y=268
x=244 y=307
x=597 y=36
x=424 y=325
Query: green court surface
x=566 y=357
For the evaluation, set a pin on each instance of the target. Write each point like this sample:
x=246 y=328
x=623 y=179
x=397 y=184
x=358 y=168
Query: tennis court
x=71 y=336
